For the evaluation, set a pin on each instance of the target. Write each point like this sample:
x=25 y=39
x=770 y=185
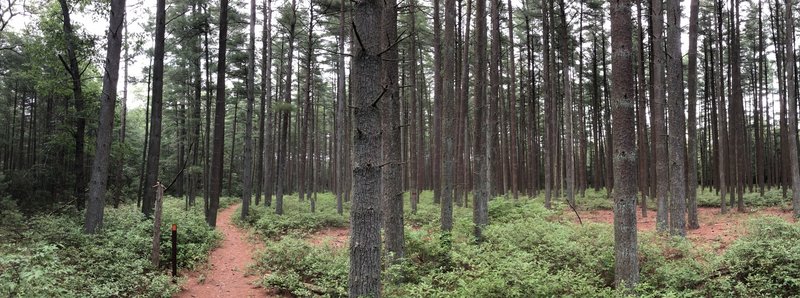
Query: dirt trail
x=225 y=276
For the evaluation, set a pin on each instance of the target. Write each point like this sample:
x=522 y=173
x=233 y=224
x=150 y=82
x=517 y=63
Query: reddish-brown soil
x=716 y=231
x=226 y=274
x=335 y=238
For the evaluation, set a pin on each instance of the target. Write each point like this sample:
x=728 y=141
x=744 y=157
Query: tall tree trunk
x=266 y=96
x=105 y=127
x=691 y=191
x=287 y=97
x=626 y=267
x=569 y=156
x=77 y=94
x=341 y=125
x=391 y=172
x=449 y=114
x=791 y=88
x=436 y=160
x=154 y=146
x=494 y=99
x=217 y=155
x=722 y=126
x=512 y=103
x=677 y=122
x=659 y=125
x=641 y=115
x=480 y=216
x=365 y=217
x=549 y=138
x=247 y=167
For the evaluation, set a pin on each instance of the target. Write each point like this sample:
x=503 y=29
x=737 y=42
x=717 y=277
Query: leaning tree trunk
x=97 y=185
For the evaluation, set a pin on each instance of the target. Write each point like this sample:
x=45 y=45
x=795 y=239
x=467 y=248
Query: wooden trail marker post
x=154 y=256
x=174 y=250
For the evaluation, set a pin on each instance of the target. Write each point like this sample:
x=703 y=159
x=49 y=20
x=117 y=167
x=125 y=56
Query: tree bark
x=365 y=217
x=677 y=122
x=691 y=191
x=391 y=172
x=247 y=167
x=219 y=120
x=791 y=89
x=659 y=131
x=105 y=127
x=154 y=146
x=77 y=94
x=480 y=215
x=626 y=267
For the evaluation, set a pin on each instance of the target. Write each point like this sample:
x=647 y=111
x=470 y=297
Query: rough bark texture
x=659 y=125
x=626 y=266
x=340 y=117
x=365 y=217
x=391 y=170
x=569 y=156
x=154 y=144
x=548 y=102
x=722 y=126
x=219 y=120
x=99 y=179
x=791 y=89
x=512 y=104
x=286 y=114
x=247 y=175
x=677 y=122
x=480 y=215
x=449 y=115
x=77 y=94
x=691 y=185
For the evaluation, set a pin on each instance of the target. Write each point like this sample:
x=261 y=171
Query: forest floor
x=717 y=231
x=226 y=273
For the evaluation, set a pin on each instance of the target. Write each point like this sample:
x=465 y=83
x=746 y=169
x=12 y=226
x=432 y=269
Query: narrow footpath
x=227 y=265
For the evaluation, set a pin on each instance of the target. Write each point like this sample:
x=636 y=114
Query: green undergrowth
x=600 y=200
x=47 y=255
x=527 y=254
x=297 y=217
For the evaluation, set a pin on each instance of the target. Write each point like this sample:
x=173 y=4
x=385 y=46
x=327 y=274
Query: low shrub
x=53 y=258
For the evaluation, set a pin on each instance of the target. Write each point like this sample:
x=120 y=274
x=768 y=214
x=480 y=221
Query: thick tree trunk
x=691 y=185
x=449 y=114
x=722 y=126
x=247 y=167
x=791 y=87
x=625 y=244
x=391 y=172
x=286 y=115
x=365 y=217
x=219 y=120
x=105 y=127
x=677 y=122
x=480 y=215
x=154 y=146
x=661 y=180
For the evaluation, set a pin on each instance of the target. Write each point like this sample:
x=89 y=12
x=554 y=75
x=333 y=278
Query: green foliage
x=526 y=252
x=53 y=258
x=765 y=262
x=771 y=198
x=296 y=218
x=302 y=270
